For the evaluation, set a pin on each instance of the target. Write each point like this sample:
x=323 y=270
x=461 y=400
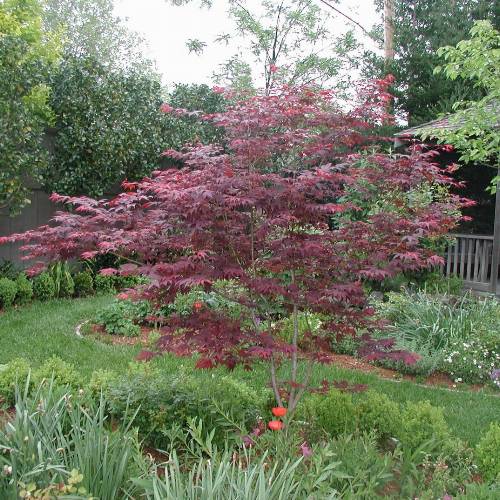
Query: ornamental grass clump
x=288 y=208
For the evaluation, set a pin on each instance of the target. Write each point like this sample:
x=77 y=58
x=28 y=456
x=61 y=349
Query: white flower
x=7 y=470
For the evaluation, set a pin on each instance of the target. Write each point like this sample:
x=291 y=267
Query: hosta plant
x=270 y=210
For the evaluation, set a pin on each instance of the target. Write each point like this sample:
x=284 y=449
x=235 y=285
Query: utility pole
x=388 y=31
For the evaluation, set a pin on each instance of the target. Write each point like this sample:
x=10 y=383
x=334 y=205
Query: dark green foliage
x=84 y=284
x=8 y=270
x=44 y=287
x=421 y=422
x=377 y=413
x=14 y=372
x=122 y=317
x=58 y=370
x=166 y=402
x=420 y=28
x=8 y=290
x=26 y=57
x=104 y=284
x=333 y=413
x=488 y=454
x=24 y=289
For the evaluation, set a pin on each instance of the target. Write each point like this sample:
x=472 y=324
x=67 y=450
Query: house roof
x=444 y=122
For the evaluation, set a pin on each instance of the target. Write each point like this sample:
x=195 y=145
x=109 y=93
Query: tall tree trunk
x=388 y=31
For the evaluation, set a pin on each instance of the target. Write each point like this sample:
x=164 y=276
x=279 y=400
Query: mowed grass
x=41 y=330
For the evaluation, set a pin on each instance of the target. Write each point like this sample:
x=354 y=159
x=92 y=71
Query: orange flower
x=279 y=411
x=197 y=305
x=275 y=425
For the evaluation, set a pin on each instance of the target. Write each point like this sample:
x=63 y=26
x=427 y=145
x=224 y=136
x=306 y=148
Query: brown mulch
x=100 y=334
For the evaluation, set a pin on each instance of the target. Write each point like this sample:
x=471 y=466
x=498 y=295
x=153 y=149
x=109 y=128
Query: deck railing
x=470 y=258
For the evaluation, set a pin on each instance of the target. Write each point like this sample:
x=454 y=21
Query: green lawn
x=41 y=330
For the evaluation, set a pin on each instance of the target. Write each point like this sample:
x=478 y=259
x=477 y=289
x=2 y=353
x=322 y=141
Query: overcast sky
x=167 y=28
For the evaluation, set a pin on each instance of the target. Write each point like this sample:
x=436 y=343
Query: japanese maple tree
x=290 y=208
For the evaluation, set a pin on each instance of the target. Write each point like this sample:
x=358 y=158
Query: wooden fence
x=471 y=258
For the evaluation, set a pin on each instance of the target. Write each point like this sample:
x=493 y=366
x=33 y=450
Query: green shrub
x=101 y=381
x=165 y=404
x=376 y=412
x=333 y=413
x=44 y=287
x=24 y=289
x=104 y=284
x=14 y=372
x=488 y=454
x=422 y=422
x=306 y=322
x=8 y=270
x=346 y=345
x=8 y=290
x=84 y=284
x=121 y=317
x=60 y=371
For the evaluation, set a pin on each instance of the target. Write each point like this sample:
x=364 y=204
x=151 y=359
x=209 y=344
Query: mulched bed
x=340 y=360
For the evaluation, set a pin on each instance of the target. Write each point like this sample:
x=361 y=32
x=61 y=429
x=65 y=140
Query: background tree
x=474 y=127
x=91 y=29
x=420 y=28
x=290 y=41
x=27 y=54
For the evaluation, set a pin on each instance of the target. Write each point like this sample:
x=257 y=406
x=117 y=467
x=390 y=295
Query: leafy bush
x=436 y=282
x=365 y=470
x=346 y=345
x=84 y=284
x=488 y=453
x=101 y=381
x=307 y=323
x=121 y=317
x=376 y=412
x=104 y=284
x=24 y=289
x=44 y=287
x=8 y=290
x=15 y=372
x=422 y=422
x=165 y=403
x=472 y=360
x=8 y=270
x=333 y=413
x=58 y=370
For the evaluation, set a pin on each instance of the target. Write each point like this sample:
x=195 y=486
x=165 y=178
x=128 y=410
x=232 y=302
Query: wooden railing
x=470 y=258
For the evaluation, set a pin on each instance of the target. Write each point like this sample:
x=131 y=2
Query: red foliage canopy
x=290 y=206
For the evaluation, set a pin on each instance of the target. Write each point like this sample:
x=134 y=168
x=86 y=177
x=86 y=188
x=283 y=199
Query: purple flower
x=305 y=450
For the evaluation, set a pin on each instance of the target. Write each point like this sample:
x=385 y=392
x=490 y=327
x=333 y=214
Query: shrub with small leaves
x=376 y=412
x=44 y=287
x=104 y=284
x=488 y=453
x=101 y=381
x=60 y=371
x=333 y=413
x=422 y=422
x=14 y=372
x=84 y=284
x=24 y=289
x=8 y=290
